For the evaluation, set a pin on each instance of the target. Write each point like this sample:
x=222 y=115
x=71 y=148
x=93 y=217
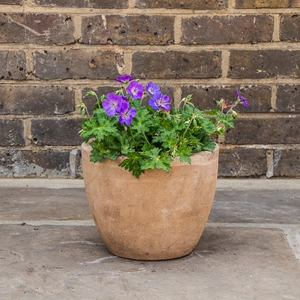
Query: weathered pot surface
x=157 y=216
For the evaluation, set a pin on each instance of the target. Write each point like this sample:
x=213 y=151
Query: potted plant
x=150 y=169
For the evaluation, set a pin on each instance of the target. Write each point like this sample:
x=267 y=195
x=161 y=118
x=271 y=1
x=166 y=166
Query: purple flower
x=242 y=99
x=123 y=99
x=124 y=78
x=160 y=101
x=152 y=88
x=126 y=113
x=135 y=89
x=112 y=104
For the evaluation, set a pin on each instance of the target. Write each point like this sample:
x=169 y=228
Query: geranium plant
x=139 y=122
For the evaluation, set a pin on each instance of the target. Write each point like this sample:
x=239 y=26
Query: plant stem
x=184 y=103
x=131 y=134
x=187 y=128
x=146 y=138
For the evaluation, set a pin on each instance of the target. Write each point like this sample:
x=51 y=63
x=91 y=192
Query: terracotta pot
x=157 y=216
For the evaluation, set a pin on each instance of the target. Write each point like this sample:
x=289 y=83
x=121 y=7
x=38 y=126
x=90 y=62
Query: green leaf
x=168 y=139
x=142 y=122
x=100 y=150
x=98 y=126
x=208 y=144
x=132 y=164
x=184 y=152
x=127 y=144
x=152 y=160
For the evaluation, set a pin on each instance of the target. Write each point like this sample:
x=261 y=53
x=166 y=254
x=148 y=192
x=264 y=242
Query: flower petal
x=135 y=89
x=124 y=78
x=152 y=88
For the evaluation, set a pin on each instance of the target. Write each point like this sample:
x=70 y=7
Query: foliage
x=151 y=135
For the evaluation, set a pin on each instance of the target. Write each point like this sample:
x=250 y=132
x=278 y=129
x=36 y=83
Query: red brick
x=242 y=162
x=288 y=98
x=11 y=133
x=37 y=28
x=205 y=97
x=36 y=100
x=283 y=130
x=227 y=29
x=128 y=30
x=177 y=64
x=12 y=65
x=56 y=132
x=290 y=28
x=77 y=64
x=86 y=3
x=264 y=64
x=267 y=3
x=187 y=4
x=287 y=163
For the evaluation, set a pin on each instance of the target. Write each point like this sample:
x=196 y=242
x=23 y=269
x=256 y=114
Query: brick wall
x=53 y=51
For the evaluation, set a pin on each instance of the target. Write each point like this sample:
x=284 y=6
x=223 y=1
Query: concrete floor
x=50 y=248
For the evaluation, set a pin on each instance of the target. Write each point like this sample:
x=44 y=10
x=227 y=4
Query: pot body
x=157 y=216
